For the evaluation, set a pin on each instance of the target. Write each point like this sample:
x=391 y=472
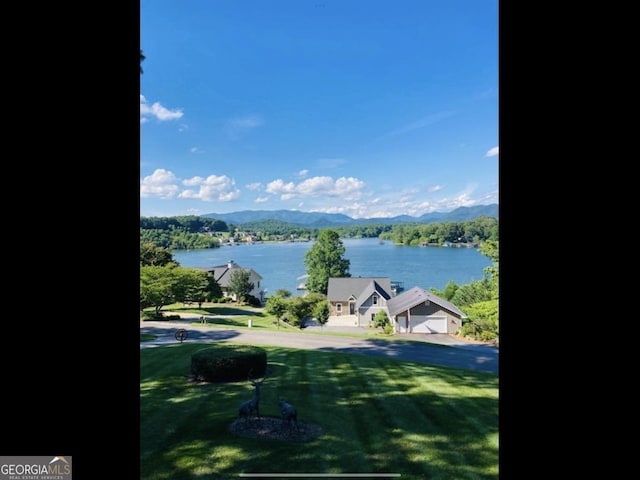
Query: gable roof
x=222 y=273
x=341 y=288
x=415 y=296
x=371 y=288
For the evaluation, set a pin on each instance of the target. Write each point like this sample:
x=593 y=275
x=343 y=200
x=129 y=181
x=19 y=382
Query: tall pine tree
x=324 y=260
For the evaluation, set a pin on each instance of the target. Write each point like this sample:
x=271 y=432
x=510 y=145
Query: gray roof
x=369 y=290
x=415 y=296
x=360 y=288
x=222 y=273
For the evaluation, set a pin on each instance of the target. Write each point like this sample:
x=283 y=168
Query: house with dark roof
x=222 y=274
x=354 y=301
x=420 y=311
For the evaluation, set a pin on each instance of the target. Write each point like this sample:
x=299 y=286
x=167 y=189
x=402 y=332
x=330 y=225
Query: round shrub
x=225 y=363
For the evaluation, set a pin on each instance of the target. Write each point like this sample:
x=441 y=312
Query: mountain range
x=321 y=220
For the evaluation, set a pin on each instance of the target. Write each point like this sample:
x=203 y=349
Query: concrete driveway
x=433 y=349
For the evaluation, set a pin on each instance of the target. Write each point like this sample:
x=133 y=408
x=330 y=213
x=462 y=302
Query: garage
x=428 y=324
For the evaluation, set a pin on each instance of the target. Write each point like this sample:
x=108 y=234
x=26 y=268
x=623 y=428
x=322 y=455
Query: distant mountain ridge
x=322 y=220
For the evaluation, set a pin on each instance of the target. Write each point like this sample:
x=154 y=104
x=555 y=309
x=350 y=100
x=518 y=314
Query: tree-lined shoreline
x=193 y=232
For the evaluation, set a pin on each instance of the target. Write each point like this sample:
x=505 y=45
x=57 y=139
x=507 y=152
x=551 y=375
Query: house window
x=338 y=308
x=375 y=299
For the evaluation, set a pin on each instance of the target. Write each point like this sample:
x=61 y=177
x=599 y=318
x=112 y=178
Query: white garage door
x=424 y=324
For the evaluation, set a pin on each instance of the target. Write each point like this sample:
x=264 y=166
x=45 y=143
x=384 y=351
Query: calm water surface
x=282 y=264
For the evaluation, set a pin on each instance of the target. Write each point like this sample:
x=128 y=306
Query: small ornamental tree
x=297 y=309
x=321 y=312
x=276 y=306
x=282 y=292
x=381 y=319
x=239 y=285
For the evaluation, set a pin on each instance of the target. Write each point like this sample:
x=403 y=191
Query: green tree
x=151 y=254
x=491 y=249
x=482 y=320
x=480 y=299
x=478 y=291
x=162 y=285
x=190 y=284
x=297 y=309
x=321 y=312
x=157 y=286
x=381 y=319
x=324 y=260
x=449 y=290
x=276 y=306
x=239 y=285
x=214 y=290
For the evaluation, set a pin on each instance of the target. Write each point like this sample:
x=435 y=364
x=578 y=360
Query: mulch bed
x=273 y=428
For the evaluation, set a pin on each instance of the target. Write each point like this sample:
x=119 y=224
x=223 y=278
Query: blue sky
x=369 y=108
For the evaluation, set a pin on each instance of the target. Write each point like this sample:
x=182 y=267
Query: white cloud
x=347 y=188
x=278 y=187
x=316 y=186
x=492 y=153
x=161 y=183
x=165 y=185
x=196 y=150
x=262 y=199
x=414 y=202
x=157 y=111
x=254 y=186
x=213 y=188
x=303 y=173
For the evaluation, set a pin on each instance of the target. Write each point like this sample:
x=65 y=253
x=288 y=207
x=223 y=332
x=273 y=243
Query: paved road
x=435 y=349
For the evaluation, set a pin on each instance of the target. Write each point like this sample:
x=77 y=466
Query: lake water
x=282 y=264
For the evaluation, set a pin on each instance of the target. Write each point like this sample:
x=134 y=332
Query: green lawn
x=237 y=316
x=378 y=415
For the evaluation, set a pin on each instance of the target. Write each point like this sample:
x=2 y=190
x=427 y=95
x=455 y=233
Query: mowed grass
x=237 y=316
x=223 y=315
x=378 y=416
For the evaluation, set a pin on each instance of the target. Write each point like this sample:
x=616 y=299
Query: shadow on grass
x=422 y=422
x=168 y=333
x=432 y=354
